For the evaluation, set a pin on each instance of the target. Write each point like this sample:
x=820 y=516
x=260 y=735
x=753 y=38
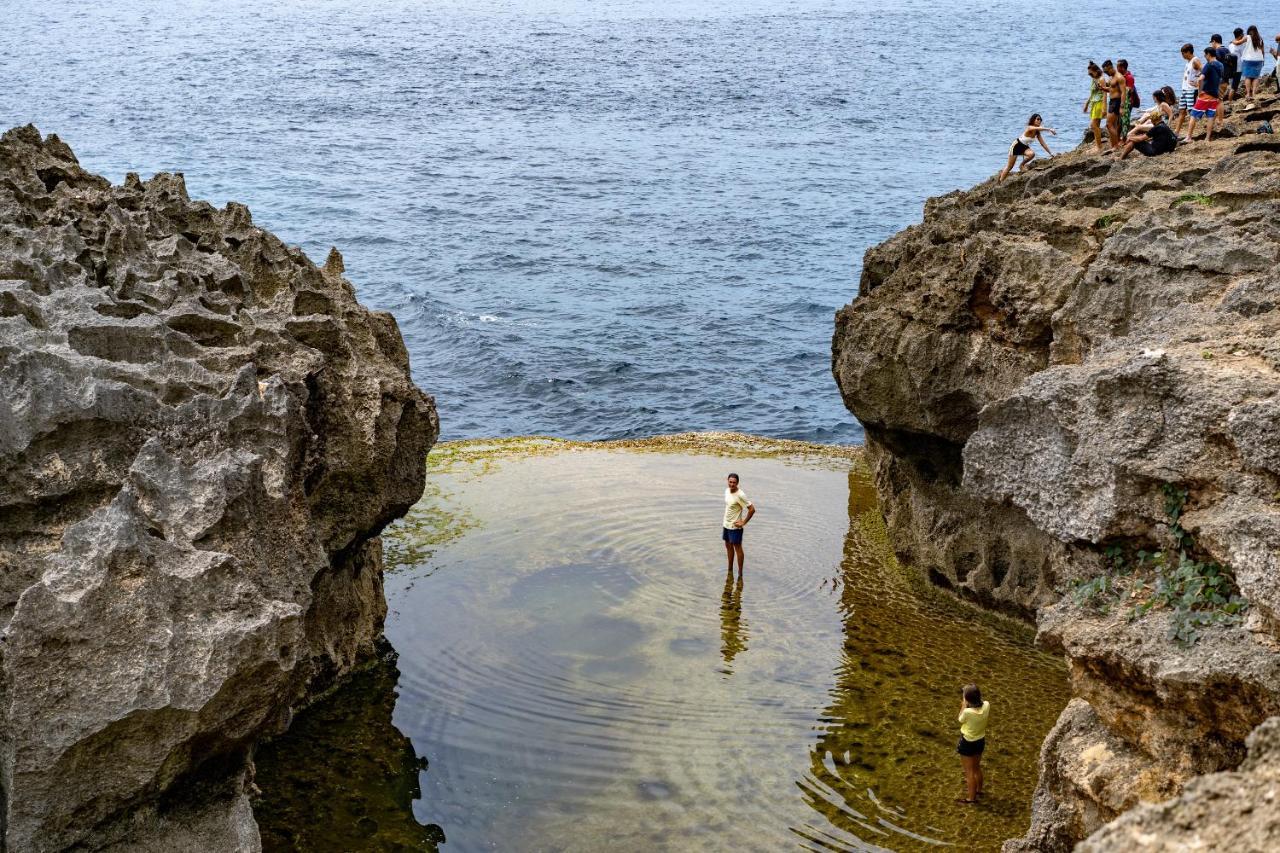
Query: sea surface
x=579 y=673
x=592 y=219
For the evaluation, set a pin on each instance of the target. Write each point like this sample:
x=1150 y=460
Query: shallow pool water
x=581 y=675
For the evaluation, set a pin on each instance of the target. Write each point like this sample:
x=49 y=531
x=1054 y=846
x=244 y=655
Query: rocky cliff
x=201 y=436
x=1070 y=385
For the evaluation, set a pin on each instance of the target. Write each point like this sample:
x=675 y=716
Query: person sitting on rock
x=1152 y=136
x=1021 y=146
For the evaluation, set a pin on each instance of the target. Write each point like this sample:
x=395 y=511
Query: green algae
x=437 y=518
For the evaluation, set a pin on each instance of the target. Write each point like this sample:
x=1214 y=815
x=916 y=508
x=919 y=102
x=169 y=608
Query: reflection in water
x=567 y=671
x=733 y=628
x=883 y=770
x=343 y=777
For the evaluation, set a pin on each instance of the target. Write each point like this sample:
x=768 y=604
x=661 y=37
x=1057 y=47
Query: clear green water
x=581 y=675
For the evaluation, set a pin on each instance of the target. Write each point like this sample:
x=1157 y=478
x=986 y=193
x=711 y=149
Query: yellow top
x=973 y=722
x=734 y=505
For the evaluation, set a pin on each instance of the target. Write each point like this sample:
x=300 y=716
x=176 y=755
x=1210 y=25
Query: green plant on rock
x=1196 y=198
x=1197 y=593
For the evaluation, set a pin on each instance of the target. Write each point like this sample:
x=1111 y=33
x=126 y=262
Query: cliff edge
x=201 y=436
x=1070 y=385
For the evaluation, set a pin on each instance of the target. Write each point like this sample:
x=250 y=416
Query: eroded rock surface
x=1237 y=811
x=1033 y=363
x=201 y=436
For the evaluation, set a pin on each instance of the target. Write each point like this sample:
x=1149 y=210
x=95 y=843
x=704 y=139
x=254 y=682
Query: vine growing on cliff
x=1197 y=593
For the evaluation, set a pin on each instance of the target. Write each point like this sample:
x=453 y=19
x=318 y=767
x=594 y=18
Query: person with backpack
x=1227 y=57
x=1126 y=116
x=1236 y=46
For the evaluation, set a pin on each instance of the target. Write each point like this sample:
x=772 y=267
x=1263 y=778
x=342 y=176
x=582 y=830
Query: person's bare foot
x=966 y=802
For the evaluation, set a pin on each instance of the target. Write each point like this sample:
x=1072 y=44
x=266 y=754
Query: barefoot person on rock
x=735 y=503
x=1021 y=146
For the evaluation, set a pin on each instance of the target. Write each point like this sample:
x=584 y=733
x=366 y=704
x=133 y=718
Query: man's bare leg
x=728 y=550
x=742 y=560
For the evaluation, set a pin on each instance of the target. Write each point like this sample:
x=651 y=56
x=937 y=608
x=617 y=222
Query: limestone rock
x=201 y=436
x=1237 y=811
x=1032 y=364
x=1088 y=776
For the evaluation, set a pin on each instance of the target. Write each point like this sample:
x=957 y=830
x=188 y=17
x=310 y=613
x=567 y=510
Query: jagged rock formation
x=1222 y=811
x=201 y=436
x=1032 y=364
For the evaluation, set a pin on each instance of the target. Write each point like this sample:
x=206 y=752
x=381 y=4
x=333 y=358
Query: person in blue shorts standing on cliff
x=735 y=502
x=1207 y=98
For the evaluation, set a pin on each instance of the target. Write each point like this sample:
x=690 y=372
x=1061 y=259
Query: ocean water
x=592 y=219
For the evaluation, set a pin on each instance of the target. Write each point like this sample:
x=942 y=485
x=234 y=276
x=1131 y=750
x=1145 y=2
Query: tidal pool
x=578 y=673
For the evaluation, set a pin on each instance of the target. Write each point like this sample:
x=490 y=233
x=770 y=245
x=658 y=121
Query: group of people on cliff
x=1221 y=73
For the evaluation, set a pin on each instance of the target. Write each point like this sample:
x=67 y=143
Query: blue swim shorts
x=732 y=535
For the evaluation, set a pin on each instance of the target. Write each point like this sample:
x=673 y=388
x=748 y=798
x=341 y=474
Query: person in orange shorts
x=1207 y=102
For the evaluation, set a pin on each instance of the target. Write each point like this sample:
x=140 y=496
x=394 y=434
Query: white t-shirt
x=734 y=505
x=1189 y=76
x=1237 y=49
x=1249 y=53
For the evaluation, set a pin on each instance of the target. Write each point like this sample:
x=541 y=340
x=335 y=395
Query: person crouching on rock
x=1152 y=136
x=1021 y=146
x=974 y=715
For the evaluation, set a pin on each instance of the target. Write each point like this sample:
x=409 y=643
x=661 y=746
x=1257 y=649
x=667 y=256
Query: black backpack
x=1134 y=100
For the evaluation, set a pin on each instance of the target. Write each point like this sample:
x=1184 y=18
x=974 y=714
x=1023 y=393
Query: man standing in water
x=735 y=501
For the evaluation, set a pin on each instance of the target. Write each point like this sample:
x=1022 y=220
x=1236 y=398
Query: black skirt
x=969 y=748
